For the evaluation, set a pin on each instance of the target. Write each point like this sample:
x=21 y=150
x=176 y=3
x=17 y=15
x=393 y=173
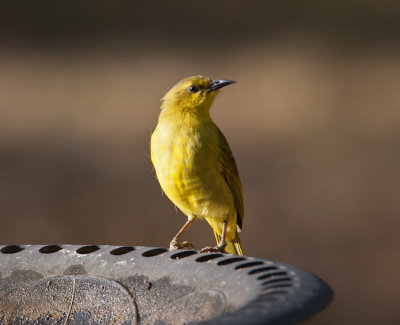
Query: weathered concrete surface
x=88 y=285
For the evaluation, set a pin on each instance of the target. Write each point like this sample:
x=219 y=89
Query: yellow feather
x=193 y=161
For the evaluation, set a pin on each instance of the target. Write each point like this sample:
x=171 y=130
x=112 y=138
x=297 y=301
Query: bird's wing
x=231 y=175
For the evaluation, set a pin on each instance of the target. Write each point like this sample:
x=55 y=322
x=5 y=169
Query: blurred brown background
x=313 y=123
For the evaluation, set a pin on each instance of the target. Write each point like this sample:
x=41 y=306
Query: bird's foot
x=216 y=249
x=174 y=244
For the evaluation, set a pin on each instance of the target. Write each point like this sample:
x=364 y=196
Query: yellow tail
x=232 y=247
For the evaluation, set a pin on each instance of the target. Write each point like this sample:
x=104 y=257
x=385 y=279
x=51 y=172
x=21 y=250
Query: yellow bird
x=194 y=164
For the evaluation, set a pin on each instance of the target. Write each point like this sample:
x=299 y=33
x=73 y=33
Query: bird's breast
x=187 y=167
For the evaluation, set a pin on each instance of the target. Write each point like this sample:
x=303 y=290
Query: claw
x=216 y=249
x=185 y=245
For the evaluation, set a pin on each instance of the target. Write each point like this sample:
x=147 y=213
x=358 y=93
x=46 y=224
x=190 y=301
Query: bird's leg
x=175 y=244
x=220 y=248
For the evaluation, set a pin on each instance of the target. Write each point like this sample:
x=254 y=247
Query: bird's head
x=193 y=94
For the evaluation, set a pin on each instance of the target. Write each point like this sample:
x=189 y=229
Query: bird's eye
x=193 y=89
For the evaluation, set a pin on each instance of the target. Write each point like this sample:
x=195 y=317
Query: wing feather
x=231 y=175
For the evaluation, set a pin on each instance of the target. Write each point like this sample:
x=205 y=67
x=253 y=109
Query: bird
x=195 y=165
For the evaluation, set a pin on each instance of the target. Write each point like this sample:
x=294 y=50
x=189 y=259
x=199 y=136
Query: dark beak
x=216 y=84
